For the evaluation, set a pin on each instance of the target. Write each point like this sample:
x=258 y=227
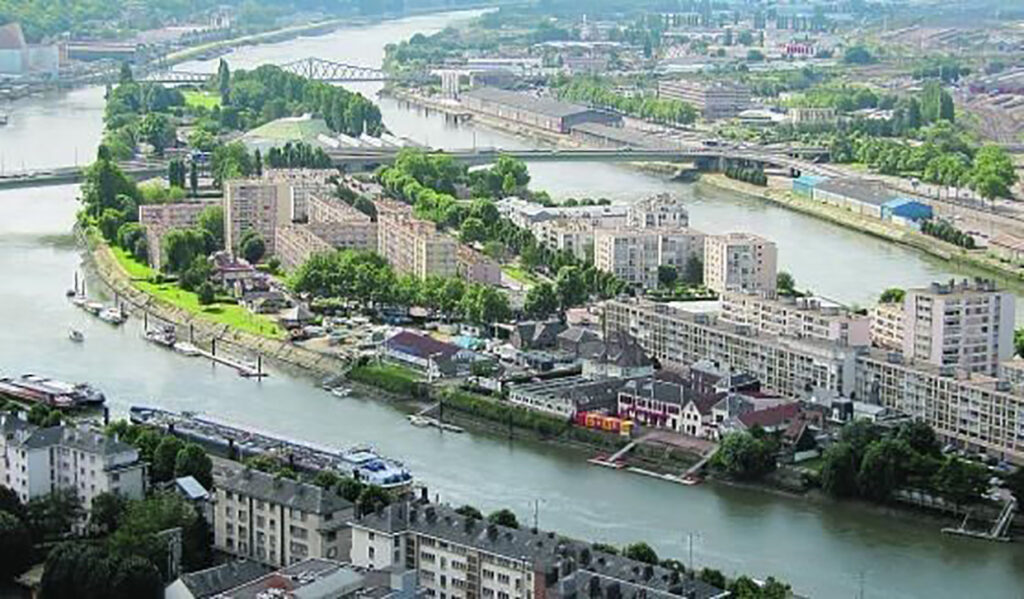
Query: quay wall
x=202 y=331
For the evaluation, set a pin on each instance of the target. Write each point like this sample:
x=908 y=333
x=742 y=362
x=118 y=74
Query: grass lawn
x=520 y=275
x=135 y=269
x=389 y=377
x=223 y=312
x=208 y=100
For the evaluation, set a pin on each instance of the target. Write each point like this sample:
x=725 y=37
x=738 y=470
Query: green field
x=520 y=275
x=222 y=312
x=199 y=99
x=390 y=377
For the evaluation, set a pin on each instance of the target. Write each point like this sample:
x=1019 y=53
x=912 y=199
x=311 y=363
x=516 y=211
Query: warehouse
x=543 y=113
x=869 y=198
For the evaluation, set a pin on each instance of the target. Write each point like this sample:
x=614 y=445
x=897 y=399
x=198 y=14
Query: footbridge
x=317 y=69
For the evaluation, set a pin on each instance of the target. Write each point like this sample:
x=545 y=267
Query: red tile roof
x=771 y=417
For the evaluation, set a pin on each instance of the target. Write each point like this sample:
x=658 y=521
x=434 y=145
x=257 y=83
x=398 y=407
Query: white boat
x=419 y=421
x=93 y=307
x=76 y=335
x=186 y=349
x=111 y=315
x=80 y=301
x=340 y=392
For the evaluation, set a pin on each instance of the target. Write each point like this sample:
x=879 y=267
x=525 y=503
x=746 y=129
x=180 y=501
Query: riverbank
x=127 y=291
x=954 y=255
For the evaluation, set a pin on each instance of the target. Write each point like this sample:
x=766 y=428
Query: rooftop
x=281 y=490
x=309 y=579
x=545 y=106
x=213 y=581
x=421 y=346
x=862 y=191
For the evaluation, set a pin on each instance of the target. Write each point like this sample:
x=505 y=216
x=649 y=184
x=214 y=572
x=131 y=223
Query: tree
x=921 y=438
x=164 y=458
x=136 y=578
x=212 y=219
x=64 y=569
x=504 y=517
x=755 y=55
x=157 y=130
x=350 y=489
x=892 y=295
x=11 y=503
x=224 y=81
x=126 y=76
x=193 y=178
x=883 y=469
x=667 y=275
x=693 y=274
x=472 y=229
x=743 y=456
x=193 y=461
x=253 y=247
x=785 y=283
x=960 y=481
x=206 y=294
x=858 y=55
x=641 y=552
x=15 y=546
x=839 y=470
x=469 y=512
x=143 y=520
x=109 y=223
x=231 y=161
x=52 y=515
x=744 y=588
x=993 y=173
x=541 y=300
x=570 y=287
x=372 y=497
x=106 y=512
x=197 y=273
x=1014 y=482
x=712 y=577
x=180 y=249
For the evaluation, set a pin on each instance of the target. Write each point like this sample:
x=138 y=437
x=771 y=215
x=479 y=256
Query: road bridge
x=313 y=68
x=67 y=175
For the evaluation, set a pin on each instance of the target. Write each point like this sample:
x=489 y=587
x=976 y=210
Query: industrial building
x=713 y=99
x=543 y=113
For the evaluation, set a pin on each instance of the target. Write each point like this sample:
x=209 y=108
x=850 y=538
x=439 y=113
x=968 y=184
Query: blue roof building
x=906 y=208
x=805 y=184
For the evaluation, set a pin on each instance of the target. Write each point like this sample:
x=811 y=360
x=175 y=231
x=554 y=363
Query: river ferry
x=360 y=462
x=40 y=389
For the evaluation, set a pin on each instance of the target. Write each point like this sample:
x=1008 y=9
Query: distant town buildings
x=36 y=461
x=473 y=265
x=887 y=325
x=713 y=99
x=740 y=262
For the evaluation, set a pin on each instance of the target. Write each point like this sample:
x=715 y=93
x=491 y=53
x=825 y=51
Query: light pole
x=536 y=512
x=689 y=537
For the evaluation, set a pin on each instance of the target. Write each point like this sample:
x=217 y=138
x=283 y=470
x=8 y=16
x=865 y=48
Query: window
x=503 y=578
x=260 y=521
x=370 y=552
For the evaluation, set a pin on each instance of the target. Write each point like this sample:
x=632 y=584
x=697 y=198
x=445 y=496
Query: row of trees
x=367 y=279
x=595 y=91
x=298 y=155
x=871 y=463
x=945 y=231
x=169 y=456
x=752 y=175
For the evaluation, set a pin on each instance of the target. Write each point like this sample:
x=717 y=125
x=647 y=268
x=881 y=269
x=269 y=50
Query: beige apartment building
x=635 y=254
x=278 y=521
x=476 y=267
x=297 y=186
x=254 y=205
x=413 y=245
x=333 y=225
x=713 y=99
x=159 y=219
x=965 y=324
x=887 y=325
x=803 y=317
x=741 y=262
x=658 y=211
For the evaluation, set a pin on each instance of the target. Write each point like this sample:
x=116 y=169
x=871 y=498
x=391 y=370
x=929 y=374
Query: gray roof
x=579 y=335
x=664 y=391
x=215 y=580
x=89 y=441
x=311 y=578
x=544 y=549
x=280 y=490
x=191 y=488
x=545 y=106
x=620 y=349
x=862 y=191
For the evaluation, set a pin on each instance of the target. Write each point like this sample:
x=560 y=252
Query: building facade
x=278 y=521
x=297 y=186
x=36 y=461
x=714 y=100
x=658 y=211
x=254 y=205
x=964 y=324
x=740 y=262
x=635 y=254
x=413 y=245
x=543 y=113
x=475 y=266
x=159 y=219
x=887 y=325
x=803 y=317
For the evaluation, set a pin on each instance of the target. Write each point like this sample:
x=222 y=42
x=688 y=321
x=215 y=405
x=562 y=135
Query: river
x=826 y=549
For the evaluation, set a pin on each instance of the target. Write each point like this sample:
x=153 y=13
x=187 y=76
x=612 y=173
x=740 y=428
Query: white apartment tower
x=967 y=325
x=741 y=262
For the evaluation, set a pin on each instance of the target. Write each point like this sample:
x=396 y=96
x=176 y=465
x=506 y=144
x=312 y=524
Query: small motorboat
x=76 y=335
x=79 y=300
x=93 y=307
x=419 y=421
x=340 y=392
x=112 y=316
x=186 y=349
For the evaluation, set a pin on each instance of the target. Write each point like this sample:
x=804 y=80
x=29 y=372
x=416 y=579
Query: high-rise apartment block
x=740 y=262
x=413 y=245
x=634 y=255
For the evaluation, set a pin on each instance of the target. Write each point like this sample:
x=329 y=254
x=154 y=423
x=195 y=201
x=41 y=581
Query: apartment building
x=254 y=205
x=459 y=557
x=295 y=243
x=413 y=245
x=332 y=224
x=803 y=317
x=36 y=461
x=740 y=262
x=475 y=266
x=634 y=254
x=278 y=521
x=566 y=235
x=788 y=366
x=657 y=212
x=713 y=99
x=159 y=219
x=974 y=412
x=297 y=186
x=966 y=324
x=887 y=325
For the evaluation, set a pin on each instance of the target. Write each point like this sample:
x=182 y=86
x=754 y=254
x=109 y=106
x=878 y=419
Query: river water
x=825 y=549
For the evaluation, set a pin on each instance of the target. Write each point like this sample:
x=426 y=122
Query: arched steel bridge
x=313 y=68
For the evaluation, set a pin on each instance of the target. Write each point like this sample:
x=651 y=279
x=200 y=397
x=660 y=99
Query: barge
x=33 y=388
x=235 y=441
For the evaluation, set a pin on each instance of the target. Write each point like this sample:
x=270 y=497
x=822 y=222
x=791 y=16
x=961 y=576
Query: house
x=620 y=356
x=266 y=302
x=773 y=419
x=654 y=403
x=536 y=334
x=565 y=396
x=215 y=581
x=571 y=339
x=708 y=378
x=237 y=275
x=295 y=317
x=425 y=353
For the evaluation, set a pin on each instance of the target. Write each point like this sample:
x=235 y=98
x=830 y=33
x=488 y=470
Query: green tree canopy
x=504 y=517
